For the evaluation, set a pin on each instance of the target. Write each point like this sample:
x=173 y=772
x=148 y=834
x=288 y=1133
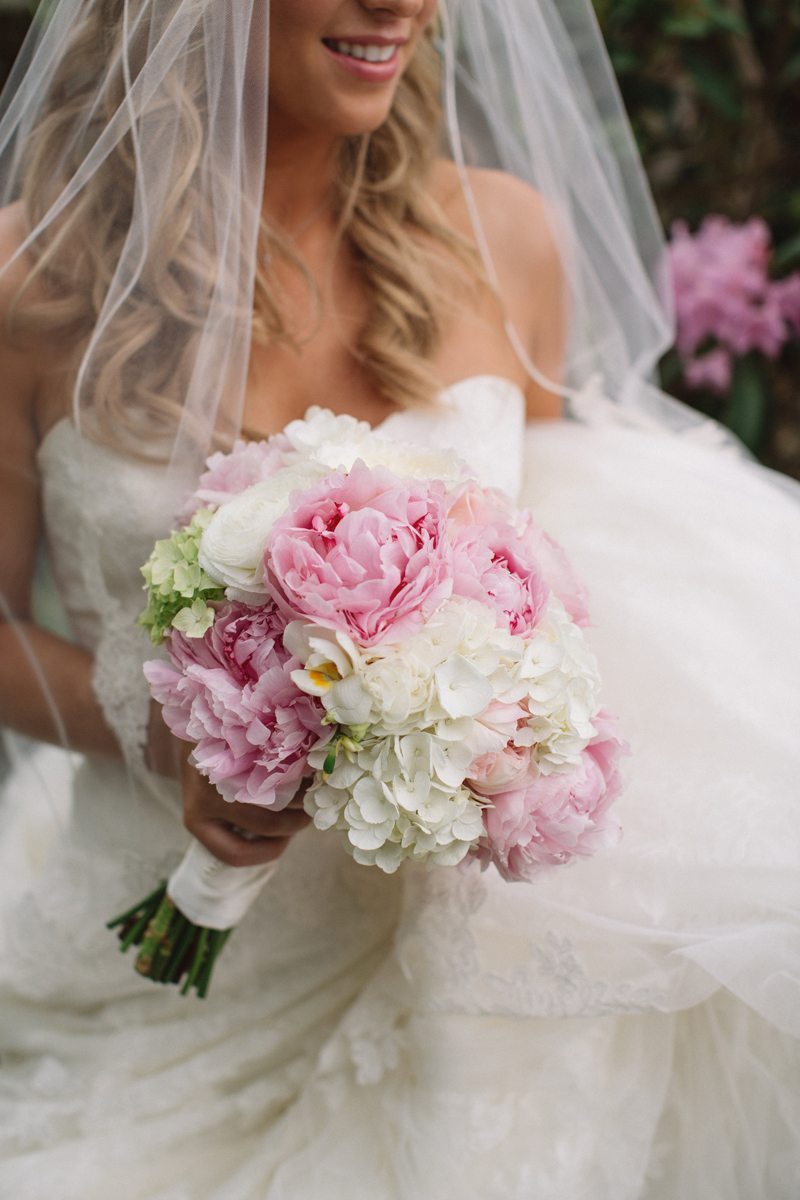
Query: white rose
x=231 y=549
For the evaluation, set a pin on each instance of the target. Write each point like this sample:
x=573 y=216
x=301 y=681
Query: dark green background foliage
x=713 y=91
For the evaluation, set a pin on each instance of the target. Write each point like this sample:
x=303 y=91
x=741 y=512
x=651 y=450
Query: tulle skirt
x=626 y=1027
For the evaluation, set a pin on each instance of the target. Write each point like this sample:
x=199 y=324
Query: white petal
x=463 y=691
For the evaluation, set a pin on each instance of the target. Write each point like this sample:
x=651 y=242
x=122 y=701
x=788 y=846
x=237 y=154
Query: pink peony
x=550 y=819
x=228 y=474
x=557 y=571
x=475 y=505
x=477 y=508
x=231 y=693
x=499 y=770
x=364 y=552
x=493 y=564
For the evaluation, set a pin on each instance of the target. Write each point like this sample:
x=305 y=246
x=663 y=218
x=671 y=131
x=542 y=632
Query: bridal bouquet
x=361 y=618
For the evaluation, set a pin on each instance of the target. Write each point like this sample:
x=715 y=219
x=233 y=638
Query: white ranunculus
x=401 y=690
x=231 y=549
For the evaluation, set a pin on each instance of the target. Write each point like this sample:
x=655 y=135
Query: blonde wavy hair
x=394 y=230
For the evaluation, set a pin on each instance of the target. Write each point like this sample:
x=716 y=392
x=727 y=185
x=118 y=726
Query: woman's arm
x=45 y=681
x=46 y=687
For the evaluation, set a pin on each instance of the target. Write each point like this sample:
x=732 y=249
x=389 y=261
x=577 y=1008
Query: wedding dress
x=626 y=1027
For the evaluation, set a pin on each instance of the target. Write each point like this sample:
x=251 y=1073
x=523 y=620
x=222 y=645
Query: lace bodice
x=103 y=511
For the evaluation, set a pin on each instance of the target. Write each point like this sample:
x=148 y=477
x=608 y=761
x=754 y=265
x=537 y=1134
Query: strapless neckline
x=446 y=398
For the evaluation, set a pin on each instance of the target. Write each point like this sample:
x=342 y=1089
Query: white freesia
x=231 y=549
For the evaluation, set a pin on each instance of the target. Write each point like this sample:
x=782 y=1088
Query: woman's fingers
x=236 y=851
x=240 y=835
x=262 y=821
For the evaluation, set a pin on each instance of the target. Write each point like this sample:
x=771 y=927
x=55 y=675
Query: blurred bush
x=713 y=91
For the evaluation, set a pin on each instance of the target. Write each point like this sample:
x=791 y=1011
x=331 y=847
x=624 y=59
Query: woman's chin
x=365 y=118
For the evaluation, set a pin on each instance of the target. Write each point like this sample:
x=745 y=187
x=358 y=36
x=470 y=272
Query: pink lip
x=373 y=72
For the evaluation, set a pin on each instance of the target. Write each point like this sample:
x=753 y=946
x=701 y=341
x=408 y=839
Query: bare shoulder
x=515 y=216
x=519 y=227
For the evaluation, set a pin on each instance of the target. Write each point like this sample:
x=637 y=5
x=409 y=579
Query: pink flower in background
x=228 y=474
x=713 y=370
x=232 y=694
x=549 y=819
x=723 y=292
x=787 y=294
x=364 y=552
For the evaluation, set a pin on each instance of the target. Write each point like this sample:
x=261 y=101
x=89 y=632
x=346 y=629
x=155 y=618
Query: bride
x=218 y=215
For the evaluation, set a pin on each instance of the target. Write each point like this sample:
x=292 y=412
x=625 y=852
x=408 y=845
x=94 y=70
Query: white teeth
x=376 y=54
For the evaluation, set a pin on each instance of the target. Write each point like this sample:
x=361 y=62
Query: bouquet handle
x=181 y=927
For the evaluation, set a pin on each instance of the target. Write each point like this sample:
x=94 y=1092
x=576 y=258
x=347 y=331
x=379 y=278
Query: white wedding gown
x=626 y=1028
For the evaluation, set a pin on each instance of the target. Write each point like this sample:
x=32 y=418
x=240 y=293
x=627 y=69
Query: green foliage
x=179 y=592
x=712 y=88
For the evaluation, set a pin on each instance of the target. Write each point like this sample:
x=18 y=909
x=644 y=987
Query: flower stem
x=170 y=945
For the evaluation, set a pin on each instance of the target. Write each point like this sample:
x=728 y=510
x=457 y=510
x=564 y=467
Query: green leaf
x=689 y=25
x=746 y=411
x=787 y=254
x=714 y=86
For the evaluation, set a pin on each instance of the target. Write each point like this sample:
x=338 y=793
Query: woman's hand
x=241 y=835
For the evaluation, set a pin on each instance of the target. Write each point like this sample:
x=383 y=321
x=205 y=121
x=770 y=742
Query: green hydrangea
x=179 y=592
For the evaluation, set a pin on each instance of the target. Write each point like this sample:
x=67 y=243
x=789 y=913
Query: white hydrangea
x=562 y=683
x=394 y=798
x=443 y=676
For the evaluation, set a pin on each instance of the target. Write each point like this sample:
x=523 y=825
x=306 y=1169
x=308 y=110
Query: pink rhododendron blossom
x=232 y=694
x=228 y=474
x=364 y=552
x=713 y=370
x=787 y=294
x=494 y=565
x=549 y=819
x=723 y=292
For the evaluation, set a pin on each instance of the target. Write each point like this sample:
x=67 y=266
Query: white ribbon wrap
x=212 y=894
